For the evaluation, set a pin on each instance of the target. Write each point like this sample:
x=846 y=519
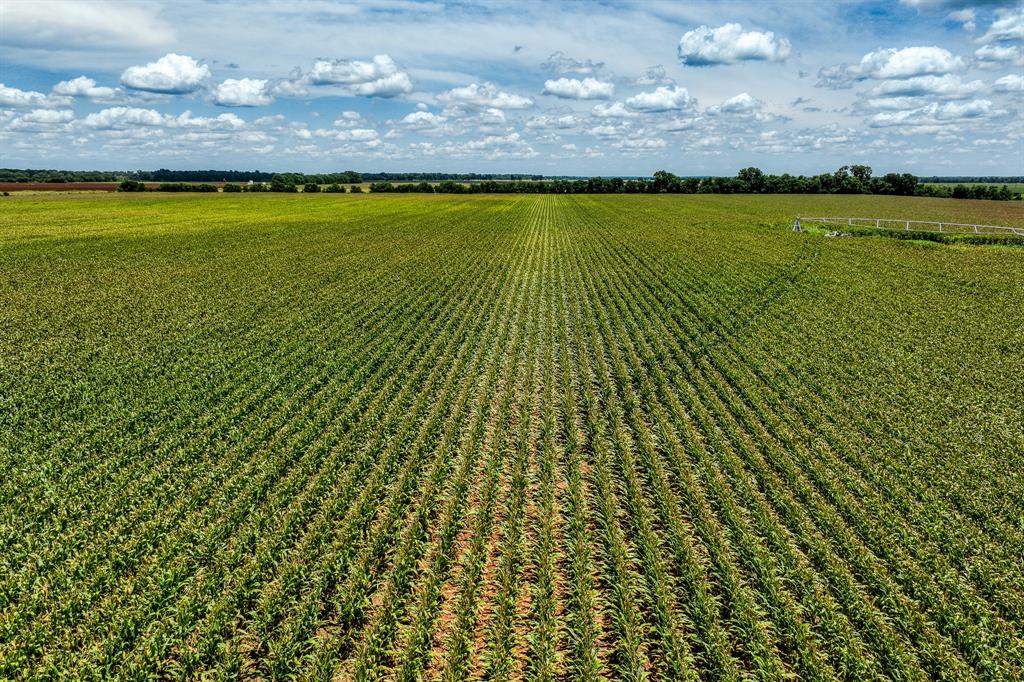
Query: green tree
x=282 y=183
x=903 y=184
x=753 y=177
x=861 y=172
x=666 y=182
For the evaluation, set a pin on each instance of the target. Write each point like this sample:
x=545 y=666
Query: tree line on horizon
x=852 y=179
x=849 y=179
x=27 y=175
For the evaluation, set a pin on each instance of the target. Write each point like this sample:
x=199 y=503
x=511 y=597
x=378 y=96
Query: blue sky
x=580 y=88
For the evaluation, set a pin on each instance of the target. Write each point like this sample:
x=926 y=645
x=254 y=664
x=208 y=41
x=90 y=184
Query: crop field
x=504 y=437
x=1013 y=186
x=58 y=186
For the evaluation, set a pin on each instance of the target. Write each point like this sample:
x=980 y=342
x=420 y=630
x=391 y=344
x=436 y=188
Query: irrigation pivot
x=902 y=224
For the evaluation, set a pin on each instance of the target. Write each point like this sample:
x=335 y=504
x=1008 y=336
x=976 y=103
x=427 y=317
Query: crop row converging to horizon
x=506 y=437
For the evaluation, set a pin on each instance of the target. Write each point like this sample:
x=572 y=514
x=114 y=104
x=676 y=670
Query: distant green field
x=506 y=437
x=1013 y=186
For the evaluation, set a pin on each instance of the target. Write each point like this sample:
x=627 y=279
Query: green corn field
x=507 y=437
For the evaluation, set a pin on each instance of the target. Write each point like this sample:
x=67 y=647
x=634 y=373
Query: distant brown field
x=76 y=186
x=58 y=186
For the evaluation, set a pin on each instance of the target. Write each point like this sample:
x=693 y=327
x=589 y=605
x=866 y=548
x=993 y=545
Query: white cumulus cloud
x=120 y=118
x=655 y=75
x=358 y=135
x=546 y=121
x=486 y=95
x=242 y=92
x=949 y=86
x=740 y=104
x=83 y=87
x=349 y=119
x=909 y=62
x=13 y=97
x=48 y=116
x=559 y=63
x=603 y=131
x=1010 y=83
x=572 y=88
x=293 y=86
x=994 y=56
x=424 y=121
x=906 y=62
x=419 y=118
x=510 y=146
x=39 y=120
x=126 y=118
x=935 y=114
x=490 y=117
x=613 y=110
x=500 y=146
x=1009 y=26
x=661 y=99
x=218 y=122
x=172 y=74
x=728 y=44
x=677 y=124
x=380 y=77
x=640 y=144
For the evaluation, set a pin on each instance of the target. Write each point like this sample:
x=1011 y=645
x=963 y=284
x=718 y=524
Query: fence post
x=891 y=224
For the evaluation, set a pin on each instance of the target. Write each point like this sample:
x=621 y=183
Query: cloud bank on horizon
x=927 y=86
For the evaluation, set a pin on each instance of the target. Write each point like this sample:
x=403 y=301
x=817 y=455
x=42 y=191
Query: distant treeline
x=989 y=179
x=171 y=176
x=165 y=175
x=994 y=192
x=438 y=177
x=138 y=186
x=39 y=175
x=855 y=179
x=852 y=179
x=278 y=183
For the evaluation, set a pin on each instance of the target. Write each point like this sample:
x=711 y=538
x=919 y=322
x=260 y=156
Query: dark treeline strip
x=138 y=186
x=165 y=175
x=174 y=176
x=161 y=175
x=1000 y=193
x=990 y=179
x=853 y=179
x=463 y=177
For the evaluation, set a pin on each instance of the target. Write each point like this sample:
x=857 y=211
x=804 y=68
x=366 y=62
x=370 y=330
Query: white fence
x=907 y=225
